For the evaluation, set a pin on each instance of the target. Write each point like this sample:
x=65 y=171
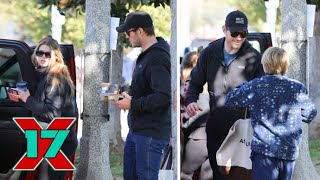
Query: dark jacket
x=221 y=79
x=47 y=104
x=278 y=105
x=150 y=112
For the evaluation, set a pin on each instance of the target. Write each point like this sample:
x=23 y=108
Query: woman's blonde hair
x=275 y=61
x=57 y=70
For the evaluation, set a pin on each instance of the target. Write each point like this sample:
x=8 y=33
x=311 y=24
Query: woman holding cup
x=54 y=95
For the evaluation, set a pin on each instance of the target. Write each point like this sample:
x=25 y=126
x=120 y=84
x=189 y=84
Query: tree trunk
x=294 y=41
x=94 y=151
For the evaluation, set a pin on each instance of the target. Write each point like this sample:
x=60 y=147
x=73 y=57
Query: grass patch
x=314 y=148
x=116 y=164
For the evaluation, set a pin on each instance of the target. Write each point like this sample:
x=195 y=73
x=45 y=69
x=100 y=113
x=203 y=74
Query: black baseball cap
x=136 y=19
x=237 y=21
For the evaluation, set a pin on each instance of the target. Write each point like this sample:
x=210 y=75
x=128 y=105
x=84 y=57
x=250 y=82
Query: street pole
x=271 y=12
x=94 y=143
x=57 y=20
x=294 y=41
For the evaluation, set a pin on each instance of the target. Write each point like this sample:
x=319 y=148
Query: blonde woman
x=55 y=93
x=277 y=106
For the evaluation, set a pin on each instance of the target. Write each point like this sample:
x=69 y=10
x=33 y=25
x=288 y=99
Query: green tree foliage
x=79 y=5
x=120 y=8
x=29 y=20
x=33 y=22
x=32 y=18
x=161 y=20
x=73 y=31
x=256 y=11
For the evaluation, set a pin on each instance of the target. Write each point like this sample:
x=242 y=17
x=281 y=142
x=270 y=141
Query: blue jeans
x=142 y=157
x=270 y=168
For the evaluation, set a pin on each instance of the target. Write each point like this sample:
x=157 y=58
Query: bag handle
x=166 y=157
x=245 y=113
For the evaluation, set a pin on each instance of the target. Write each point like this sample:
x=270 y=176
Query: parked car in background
x=15 y=66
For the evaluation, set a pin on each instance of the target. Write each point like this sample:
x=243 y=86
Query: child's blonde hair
x=275 y=61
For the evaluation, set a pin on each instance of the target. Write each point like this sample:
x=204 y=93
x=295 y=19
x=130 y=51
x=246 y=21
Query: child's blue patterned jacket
x=277 y=106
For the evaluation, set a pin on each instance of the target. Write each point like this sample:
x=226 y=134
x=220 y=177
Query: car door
x=260 y=41
x=15 y=66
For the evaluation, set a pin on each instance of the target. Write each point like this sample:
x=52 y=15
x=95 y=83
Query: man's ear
x=140 y=31
x=224 y=29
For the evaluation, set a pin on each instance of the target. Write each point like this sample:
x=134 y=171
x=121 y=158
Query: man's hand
x=192 y=109
x=124 y=103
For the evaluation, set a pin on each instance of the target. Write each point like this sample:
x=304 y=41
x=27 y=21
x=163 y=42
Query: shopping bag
x=233 y=156
x=166 y=167
x=166 y=175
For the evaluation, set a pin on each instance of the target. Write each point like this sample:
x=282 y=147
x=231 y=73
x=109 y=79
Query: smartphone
x=12 y=91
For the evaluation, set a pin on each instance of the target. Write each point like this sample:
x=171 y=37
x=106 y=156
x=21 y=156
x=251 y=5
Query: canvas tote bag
x=233 y=156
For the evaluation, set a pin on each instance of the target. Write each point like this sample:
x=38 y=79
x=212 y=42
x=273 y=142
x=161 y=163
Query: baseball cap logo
x=239 y=20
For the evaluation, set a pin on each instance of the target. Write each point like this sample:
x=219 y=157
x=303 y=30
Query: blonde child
x=277 y=105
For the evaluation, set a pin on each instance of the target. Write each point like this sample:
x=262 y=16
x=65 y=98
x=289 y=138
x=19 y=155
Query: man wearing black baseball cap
x=136 y=19
x=225 y=64
x=148 y=101
x=237 y=21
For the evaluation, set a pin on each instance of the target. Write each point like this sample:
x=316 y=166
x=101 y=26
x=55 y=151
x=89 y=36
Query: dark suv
x=15 y=66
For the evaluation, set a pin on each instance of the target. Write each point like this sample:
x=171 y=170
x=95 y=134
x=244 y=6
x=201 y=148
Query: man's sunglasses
x=242 y=34
x=128 y=32
x=41 y=53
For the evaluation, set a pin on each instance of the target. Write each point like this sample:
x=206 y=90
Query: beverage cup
x=22 y=86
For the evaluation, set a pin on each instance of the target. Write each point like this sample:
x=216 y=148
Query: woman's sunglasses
x=41 y=53
x=242 y=34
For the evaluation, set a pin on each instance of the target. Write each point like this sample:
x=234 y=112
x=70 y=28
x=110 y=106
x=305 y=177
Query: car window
x=10 y=72
x=255 y=44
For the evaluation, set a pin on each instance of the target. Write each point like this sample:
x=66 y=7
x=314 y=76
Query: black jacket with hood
x=150 y=112
x=222 y=78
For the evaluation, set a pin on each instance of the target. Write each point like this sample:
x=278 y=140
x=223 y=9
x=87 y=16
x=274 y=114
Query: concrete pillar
x=94 y=144
x=174 y=94
x=294 y=41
